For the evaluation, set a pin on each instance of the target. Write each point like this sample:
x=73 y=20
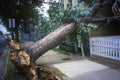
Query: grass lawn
x=10 y=73
x=61 y=51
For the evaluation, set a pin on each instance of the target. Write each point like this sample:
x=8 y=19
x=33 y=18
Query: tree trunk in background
x=12 y=32
x=16 y=34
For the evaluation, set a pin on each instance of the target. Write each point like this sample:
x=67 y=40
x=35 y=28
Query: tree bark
x=88 y=19
x=50 y=41
x=98 y=5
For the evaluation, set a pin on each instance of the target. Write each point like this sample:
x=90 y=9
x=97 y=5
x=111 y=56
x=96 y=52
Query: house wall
x=74 y=3
x=111 y=29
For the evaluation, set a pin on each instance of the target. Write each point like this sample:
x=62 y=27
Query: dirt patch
x=66 y=59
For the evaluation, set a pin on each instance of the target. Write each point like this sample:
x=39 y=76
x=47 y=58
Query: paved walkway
x=53 y=57
x=87 y=70
x=79 y=69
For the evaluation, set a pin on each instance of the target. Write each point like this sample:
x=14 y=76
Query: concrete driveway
x=87 y=70
x=77 y=68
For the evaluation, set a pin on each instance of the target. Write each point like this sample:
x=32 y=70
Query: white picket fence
x=108 y=47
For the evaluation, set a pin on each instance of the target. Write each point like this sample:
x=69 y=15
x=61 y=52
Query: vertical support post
x=90 y=44
x=11 y=23
x=118 y=49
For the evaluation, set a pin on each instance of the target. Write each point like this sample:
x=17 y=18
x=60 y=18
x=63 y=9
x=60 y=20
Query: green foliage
x=57 y=12
x=43 y=28
x=60 y=51
x=11 y=72
x=76 y=42
x=23 y=11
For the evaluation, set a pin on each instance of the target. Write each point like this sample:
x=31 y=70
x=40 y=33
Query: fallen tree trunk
x=25 y=61
x=50 y=41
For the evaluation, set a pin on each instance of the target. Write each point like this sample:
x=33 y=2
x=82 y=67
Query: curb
x=3 y=63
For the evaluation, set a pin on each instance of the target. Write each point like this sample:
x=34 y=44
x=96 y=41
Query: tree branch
x=98 y=5
x=100 y=19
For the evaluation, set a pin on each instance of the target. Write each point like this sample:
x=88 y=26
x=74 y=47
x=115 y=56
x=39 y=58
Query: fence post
x=118 y=49
x=91 y=46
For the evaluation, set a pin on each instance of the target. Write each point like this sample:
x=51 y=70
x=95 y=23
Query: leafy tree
x=23 y=11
